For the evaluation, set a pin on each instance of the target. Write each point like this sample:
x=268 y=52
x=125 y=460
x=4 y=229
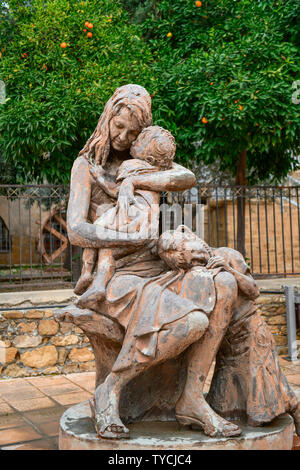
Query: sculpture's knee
x=226 y=286
x=197 y=323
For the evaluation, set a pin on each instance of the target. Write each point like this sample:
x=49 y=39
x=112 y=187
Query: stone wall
x=273 y=310
x=33 y=343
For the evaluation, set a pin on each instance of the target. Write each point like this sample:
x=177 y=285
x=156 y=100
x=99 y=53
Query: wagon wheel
x=56 y=226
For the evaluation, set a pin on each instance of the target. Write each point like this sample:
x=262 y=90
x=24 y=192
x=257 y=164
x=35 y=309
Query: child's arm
x=233 y=262
x=109 y=186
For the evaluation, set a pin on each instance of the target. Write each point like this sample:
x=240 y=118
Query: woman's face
x=124 y=129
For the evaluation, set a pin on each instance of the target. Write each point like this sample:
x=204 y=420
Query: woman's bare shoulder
x=80 y=169
x=80 y=162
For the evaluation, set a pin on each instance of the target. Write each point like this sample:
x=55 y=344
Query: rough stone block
x=13 y=314
x=10 y=354
x=48 y=327
x=50 y=370
x=277 y=320
x=64 y=340
x=48 y=313
x=62 y=356
x=26 y=341
x=42 y=357
x=78 y=330
x=38 y=314
x=81 y=355
x=70 y=368
x=66 y=327
x=27 y=327
x=87 y=366
x=13 y=370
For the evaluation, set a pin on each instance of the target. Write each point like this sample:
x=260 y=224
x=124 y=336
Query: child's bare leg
x=105 y=271
x=89 y=257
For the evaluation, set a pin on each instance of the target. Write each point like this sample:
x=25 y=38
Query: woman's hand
x=218 y=262
x=96 y=171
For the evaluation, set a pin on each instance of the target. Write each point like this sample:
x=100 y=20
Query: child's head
x=156 y=146
x=182 y=249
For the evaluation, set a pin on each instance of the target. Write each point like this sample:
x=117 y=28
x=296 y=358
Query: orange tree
x=226 y=70
x=60 y=61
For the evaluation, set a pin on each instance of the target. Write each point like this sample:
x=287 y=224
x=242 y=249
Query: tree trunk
x=241 y=181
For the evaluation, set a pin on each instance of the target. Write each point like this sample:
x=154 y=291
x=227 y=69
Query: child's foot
x=91 y=297
x=83 y=283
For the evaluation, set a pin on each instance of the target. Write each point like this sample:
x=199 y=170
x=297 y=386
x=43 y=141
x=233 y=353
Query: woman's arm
x=82 y=233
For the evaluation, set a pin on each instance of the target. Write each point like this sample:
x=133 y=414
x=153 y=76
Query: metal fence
x=261 y=221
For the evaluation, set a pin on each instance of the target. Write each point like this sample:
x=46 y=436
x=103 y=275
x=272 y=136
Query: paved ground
x=30 y=408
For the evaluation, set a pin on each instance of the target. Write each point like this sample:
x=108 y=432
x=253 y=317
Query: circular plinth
x=77 y=432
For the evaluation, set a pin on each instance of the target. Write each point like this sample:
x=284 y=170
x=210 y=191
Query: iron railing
x=261 y=221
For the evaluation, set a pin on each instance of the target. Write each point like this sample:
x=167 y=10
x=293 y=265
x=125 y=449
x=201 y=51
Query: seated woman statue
x=149 y=313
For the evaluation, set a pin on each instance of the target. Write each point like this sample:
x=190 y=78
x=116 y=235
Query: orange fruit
x=198 y=3
x=204 y=120
x=109 y=19
x=90 y=25
x=89 y=34
x=25 y=54
x=240 y=107
x=84 y=30
x=211 y=83
x=86 y=24
x=169 y=35
x=63 y=45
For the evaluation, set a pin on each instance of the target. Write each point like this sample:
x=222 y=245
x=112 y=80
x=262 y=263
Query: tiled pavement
x=30 y=408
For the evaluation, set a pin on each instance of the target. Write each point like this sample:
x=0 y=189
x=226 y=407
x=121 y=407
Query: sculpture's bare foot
x=198 y=414
x=83 y=283
x=107 y=421
x=91 y=297
x=296 y=416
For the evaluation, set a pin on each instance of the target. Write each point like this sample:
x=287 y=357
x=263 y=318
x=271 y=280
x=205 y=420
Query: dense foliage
x=58 y=79
x=220 y=73
x=226 y=70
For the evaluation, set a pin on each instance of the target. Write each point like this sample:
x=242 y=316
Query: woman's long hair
x=133 y=97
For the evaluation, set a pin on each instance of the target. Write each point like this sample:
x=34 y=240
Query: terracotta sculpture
x=166 y=308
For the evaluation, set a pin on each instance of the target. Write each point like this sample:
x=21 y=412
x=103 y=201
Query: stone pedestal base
x=77 y=433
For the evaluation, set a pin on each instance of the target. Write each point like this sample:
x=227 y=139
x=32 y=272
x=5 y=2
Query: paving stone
x=44 y=415
x=40 y=444
x=51 y=428
x=20 y=434
x=72 y=398
x=33 y=404
x=11 y=420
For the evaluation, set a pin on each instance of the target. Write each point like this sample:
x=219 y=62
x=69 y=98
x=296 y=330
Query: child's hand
x=125 y=199
x=217 y=262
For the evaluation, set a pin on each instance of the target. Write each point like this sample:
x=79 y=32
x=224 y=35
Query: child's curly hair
x=163 y=145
